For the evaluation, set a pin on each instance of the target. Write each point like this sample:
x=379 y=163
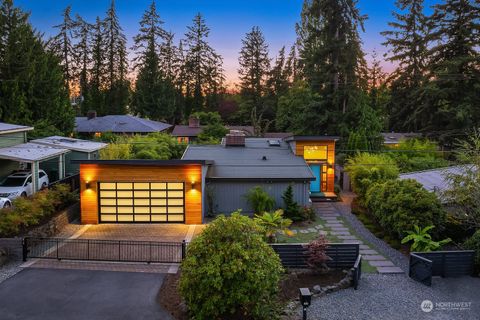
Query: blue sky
x=228 y=20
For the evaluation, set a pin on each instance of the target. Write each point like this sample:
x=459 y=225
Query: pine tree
x=408 y=42
x=117 y=85
x=203 y=69
x=155 y=93
x=61 y=44
x=82 y=33
x=453 y=90
x=332 y=61
x=291 y=66
x=253 y=73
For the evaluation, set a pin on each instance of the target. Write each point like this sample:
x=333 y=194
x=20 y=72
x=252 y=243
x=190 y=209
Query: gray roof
x=396 y=137
x=8 y=128
x=247 y=162
x=434 y=180
x=187 y=131
x=119 y=124
x=29 y=152
x=70 y=143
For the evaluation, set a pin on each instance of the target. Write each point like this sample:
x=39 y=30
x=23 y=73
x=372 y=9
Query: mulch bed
x=169 y=297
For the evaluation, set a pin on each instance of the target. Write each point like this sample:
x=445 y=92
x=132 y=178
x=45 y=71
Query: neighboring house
x=80 y=150
x=392 y=139
x=208 y=177
x=188 y=134
x=91 y=125
x=434 y=180
x=11 y=135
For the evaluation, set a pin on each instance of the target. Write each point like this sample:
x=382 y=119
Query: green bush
x=290 y=206
x=28 y=212
x=365 y=169
x=474 y=244
x=230 y=272
x=259 y=200
x=399 y=205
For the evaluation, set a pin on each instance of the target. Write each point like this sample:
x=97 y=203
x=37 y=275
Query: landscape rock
x=317 y=289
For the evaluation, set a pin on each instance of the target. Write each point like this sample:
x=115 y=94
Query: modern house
x=80 y=150
x=392 y=139
x=189 y=133
x=208 y=178
x=91 y=125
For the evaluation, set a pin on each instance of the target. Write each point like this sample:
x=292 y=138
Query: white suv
x=19 y=184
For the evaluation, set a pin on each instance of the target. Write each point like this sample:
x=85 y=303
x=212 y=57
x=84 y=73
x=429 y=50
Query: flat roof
x=10 y=128
x=312 y=138
x=30 y=152
x=258 y=159
x=142 y=162
x=71 y=143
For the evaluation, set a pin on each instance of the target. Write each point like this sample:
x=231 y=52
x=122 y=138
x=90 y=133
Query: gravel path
x=397 y=297
x=381 y=246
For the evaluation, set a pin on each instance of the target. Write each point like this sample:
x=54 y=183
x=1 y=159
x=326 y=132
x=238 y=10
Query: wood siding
x=95 y=173
x=299 y=147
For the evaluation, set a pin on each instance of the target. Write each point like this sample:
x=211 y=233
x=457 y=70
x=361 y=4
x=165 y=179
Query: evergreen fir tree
x=408 y=43
x=82 y=33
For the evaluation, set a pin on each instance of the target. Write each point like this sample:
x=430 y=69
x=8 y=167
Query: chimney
x=92 y=114
x=235 y=138
x=193 y=122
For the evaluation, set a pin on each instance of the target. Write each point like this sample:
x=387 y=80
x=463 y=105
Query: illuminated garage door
x=141 y=202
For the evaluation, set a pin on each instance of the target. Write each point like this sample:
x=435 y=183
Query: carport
x=34 y=155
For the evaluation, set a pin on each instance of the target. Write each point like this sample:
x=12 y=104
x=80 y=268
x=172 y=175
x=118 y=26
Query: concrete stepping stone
x=389 y=270
x=368 y=251
x=339 y=229
x=294 y=231
x=349 y=237
x=373 y=257
x=364 y=246
x=318 y=226
x=340 y=233
x=380 y=263
x=303 y=231
x=360 y=242
x=312 y=230
x=322 y=232
x=335 y=224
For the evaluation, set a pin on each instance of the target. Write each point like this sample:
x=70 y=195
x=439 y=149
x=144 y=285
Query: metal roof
x=70 y=143
x=141 y=162
x=29 y=152
x=434 y=180
x=119 y=124
x=9 y=128
x=256 y=160
x=187 y=131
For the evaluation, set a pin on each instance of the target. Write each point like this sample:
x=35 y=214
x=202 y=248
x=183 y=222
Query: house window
x=315 y=153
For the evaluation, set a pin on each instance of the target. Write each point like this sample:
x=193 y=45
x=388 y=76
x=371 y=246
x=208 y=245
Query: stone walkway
x=340 y=230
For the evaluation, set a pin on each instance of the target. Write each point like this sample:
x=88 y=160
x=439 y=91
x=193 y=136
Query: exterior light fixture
x=305 y=300
x=193 y=184
x=87 y=185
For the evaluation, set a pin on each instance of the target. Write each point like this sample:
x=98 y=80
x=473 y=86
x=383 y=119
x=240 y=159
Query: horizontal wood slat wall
x=94 y=173
x=330 y=157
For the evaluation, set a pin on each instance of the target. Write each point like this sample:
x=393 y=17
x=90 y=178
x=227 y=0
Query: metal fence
x=424 y=265
x=73 y=181
x=104 y=250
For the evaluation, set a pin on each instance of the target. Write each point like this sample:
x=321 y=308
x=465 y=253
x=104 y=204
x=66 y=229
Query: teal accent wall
x=12 y=139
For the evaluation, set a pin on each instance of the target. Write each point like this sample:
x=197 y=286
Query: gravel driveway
x=392 y=297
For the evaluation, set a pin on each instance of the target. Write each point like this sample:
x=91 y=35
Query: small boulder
x=317 y=289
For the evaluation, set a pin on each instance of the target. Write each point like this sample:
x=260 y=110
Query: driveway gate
x=103 y=250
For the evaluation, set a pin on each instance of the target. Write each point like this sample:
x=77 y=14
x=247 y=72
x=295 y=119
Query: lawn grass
x=367 y=268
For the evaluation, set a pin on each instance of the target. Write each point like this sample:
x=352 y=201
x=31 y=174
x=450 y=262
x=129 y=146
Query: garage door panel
x=145 y=202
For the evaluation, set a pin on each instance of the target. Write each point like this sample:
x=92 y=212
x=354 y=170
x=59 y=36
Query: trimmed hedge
x=29 y=212
x=398 y=205
x=474 y=244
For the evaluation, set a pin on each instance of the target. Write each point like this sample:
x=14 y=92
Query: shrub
x=291 y=208
x=365 y=169
x=308 y=213
x=230 y=270
x=317 y=254
x=399 y=205
x=422 y=240
x=28 y=212
x=260 y=200
x=474 y=244
x=272 y=223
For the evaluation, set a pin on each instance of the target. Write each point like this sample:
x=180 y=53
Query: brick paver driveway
x=142 y=232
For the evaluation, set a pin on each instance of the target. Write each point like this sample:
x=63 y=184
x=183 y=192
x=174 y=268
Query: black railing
x=103 y=250
x=73 y=181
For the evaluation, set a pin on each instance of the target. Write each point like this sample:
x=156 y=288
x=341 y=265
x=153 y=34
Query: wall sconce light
x=193 y=185
x=87 y=185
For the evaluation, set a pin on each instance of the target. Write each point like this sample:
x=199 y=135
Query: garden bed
x=170 y=299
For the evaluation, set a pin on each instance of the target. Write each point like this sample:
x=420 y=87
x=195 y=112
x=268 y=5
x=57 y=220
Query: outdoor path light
x=305 y=300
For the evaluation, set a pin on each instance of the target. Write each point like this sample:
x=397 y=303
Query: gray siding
x=12 y=139
x=230 y=196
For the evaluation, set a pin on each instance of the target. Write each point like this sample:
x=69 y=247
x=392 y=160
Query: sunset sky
x=228 y=20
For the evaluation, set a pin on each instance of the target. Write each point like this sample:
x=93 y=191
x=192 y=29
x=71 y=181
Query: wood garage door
x=141 y=202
